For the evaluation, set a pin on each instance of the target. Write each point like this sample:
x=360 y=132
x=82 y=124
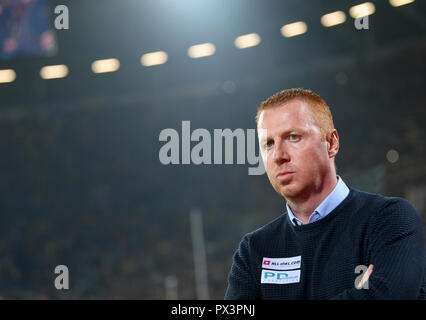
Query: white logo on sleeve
x=282 y=263
x=280 y=277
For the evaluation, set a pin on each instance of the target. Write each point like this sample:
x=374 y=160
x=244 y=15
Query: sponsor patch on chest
x=281 y=270
x=282 y=263
x=280 y=277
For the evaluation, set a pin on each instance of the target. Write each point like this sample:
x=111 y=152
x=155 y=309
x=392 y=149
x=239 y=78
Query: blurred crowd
x=83 y=186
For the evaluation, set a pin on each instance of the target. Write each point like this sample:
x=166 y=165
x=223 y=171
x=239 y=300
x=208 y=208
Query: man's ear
x=332 y=143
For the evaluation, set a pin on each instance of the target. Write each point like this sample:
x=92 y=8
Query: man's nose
x=280 y=154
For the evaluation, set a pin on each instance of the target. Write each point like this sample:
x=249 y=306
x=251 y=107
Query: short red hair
x=320 y=110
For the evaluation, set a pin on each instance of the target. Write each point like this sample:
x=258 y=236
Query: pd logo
x=280 y=277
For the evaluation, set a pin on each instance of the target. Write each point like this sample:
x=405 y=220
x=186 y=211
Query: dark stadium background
x=81 y=183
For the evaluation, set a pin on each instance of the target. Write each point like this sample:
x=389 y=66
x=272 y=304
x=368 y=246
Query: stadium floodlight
x=294 y=29
x=201 y=50
x=392 y=156
x=105 y=65
x=154 y=58
x=247 y=41
x=54 y=72
x=333 y=18
x=7 y=75
x=362 y=10
x=398 y=3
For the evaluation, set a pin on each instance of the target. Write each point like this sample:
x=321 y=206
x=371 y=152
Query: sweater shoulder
x=378 y=203
x=386 y=209
x=270 y=230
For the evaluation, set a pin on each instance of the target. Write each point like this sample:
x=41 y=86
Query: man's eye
x=293 y=137
x=269 y=144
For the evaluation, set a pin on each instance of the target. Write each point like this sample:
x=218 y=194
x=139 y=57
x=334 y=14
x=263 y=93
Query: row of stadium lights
x=208 y=49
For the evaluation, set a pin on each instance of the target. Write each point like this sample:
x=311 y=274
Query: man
x=331 y=233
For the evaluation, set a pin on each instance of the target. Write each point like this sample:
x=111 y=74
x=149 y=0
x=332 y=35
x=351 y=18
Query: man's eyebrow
x=268 y=136
x=290 y=130
x=285 y=132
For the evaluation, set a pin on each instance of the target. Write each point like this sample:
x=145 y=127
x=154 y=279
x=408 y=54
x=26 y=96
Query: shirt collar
x=339 y=193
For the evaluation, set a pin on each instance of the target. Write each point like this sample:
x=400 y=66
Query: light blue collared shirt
x=339 y=193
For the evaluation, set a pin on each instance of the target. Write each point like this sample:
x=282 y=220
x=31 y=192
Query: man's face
x=296 y=157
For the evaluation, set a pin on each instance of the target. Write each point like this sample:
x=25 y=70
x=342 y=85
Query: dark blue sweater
x=364 y=229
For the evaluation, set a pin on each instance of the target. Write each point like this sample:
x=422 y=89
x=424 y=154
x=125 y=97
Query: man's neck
x=303 y=207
